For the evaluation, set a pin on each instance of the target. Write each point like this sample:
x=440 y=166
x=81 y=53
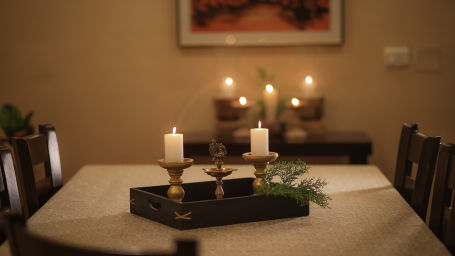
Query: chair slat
x=403 y=166
x=439 y=188
x=448 y=228
x=26 y=175
x=11 y=181
x=53 y=164
x=415 y=147
x=41 y=148
x=451 y=170
x=425 y=174
x=9 y=193
x=442 y=211
x=2 y=182
x=37 y=148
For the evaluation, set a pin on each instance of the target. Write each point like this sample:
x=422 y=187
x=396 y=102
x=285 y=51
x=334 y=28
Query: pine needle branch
x=306 y=190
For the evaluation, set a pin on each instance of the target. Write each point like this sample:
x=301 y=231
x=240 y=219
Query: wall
x=109 y=75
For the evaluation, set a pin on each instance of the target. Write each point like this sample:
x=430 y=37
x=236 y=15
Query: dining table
x=366 y=216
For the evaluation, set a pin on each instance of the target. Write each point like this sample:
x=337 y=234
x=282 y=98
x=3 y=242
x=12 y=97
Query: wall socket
x=396 y=56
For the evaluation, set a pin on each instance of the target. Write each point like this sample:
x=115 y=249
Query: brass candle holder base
x=260 y=164
x=219 y=174
x=175 y=171
x=309 y=109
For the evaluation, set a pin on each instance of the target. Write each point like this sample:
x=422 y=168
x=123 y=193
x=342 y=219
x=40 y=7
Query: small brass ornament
x=218 y=152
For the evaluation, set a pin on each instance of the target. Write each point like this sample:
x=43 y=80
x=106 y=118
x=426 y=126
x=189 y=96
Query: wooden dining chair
x=442 y=212
x=9 y=192
x=25 y=243
x=41 y=148
x=422 y=150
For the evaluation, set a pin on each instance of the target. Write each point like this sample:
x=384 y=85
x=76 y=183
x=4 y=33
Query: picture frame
x=204 y=23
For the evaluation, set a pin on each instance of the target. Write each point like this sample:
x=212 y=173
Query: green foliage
x=303 y=191
x=266 y=78
x=11 y=120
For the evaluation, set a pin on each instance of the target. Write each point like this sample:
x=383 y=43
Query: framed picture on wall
x=259 y=22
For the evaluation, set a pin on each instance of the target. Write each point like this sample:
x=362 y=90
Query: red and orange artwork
x=259 y=15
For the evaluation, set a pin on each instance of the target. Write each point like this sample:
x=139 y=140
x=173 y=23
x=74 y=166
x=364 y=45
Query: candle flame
x=228 y=81
x=269 y=88
x=259 y=124
x=308 y=80
x=242 y=100
x=295 y=102
x=174 y=130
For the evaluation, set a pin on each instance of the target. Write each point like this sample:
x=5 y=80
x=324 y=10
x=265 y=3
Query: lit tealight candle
x=270 y=103
x=295 y=102
x=173 y=147
x=259 y=141
x=309 y=88
x=242 y=101
x=228 y=88
x=308 y=80
x=229 y=81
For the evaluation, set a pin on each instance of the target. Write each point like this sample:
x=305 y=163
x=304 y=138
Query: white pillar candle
x=173 y=147
x=259 y=141
x=228 y=88
x=270 y=103
x=309 y=88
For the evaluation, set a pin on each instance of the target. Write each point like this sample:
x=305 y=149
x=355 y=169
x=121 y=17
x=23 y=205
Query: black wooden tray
x=200 y=208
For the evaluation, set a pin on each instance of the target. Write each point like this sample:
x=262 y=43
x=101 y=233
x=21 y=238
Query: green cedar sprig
x=306 y=190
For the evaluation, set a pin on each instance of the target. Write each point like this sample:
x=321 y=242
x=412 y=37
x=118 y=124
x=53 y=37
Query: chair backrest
x=442 y=212
x=22 y=243
x=53 y=166
x=422 y=150
x=41 y=148
x=9 y=192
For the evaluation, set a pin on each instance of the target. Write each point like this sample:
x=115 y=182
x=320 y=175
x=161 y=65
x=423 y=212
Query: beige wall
x=109 y=75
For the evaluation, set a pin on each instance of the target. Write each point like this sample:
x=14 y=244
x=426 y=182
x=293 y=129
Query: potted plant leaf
x=275 y=128
x=12 y=122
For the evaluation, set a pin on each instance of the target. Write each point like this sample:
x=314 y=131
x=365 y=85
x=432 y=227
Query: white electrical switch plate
x=396 y=56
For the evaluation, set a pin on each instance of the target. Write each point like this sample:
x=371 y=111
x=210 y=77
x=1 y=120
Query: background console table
x=355 y=146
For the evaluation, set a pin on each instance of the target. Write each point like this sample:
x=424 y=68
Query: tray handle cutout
x=154 y=205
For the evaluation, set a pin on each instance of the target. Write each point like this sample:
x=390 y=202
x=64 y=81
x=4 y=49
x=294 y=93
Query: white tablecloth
x=367 y=217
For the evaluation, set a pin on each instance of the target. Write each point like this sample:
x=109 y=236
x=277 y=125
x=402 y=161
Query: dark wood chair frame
x=422 y=150
x=442 y=212
x=30 y=151
x=9 y=191
x=24 y=243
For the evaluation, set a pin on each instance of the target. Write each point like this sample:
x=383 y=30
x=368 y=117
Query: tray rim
x=209 y=200
x=199 y=201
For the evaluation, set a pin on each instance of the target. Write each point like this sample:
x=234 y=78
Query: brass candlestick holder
x=175 y=171
x=218 y=152
x=260 y=164
x=310 y=109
